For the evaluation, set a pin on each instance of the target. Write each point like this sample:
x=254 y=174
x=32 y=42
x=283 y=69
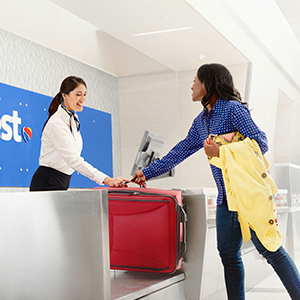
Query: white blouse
x=61 y=148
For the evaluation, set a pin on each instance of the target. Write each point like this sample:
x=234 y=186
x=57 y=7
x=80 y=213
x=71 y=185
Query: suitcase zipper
x=139 y=200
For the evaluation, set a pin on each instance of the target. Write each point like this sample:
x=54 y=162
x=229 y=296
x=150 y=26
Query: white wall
x=286 y=143
x=268 y=85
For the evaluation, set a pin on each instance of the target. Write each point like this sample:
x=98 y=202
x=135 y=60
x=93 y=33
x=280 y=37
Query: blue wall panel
x=23 y=111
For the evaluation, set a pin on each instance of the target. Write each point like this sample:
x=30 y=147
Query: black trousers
x=49 y=179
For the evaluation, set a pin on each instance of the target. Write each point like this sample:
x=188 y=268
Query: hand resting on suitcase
x=138 y=177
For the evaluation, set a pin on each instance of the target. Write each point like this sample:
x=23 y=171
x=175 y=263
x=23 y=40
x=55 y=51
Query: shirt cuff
x=99 y=177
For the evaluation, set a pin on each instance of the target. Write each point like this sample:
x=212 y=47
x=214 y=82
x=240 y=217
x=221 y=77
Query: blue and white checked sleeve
x=185 y=148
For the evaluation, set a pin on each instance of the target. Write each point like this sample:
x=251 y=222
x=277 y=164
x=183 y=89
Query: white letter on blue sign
x=8 y=135
x=16 y=121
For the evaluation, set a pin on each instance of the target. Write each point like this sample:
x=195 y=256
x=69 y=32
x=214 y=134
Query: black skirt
x=49 y=179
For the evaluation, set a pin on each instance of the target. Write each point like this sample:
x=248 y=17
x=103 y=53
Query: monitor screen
x=149 y=150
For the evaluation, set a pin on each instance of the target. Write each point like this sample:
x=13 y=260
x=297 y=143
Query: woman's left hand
x=211 y=148
x=116 y=182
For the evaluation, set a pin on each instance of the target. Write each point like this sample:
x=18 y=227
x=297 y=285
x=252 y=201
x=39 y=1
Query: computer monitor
x=149 y=150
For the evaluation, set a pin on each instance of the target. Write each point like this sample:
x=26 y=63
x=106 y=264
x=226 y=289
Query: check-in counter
x=54 y=245
x=287 y=176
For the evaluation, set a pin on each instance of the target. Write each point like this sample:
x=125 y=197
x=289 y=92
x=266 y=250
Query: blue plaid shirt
x=225 y=116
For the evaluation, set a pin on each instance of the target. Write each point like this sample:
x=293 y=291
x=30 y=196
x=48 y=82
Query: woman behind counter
x=61 y=145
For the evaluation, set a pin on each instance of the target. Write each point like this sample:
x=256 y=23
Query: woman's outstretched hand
x=211 y=148
x=116 y=182
x=138 y=177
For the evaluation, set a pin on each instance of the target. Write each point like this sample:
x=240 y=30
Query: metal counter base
x=54 y=246
x=136 y=285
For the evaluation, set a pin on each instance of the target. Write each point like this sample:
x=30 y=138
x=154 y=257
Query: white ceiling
x=176 y=50
x=101 y=33
x=291 y=11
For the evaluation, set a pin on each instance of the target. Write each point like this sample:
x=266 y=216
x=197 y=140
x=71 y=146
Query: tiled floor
x=269 y=289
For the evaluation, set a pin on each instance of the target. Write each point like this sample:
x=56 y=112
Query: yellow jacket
x=250 y=189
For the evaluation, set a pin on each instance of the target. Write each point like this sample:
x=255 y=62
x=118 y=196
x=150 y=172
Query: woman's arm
x=185 y=148
x=63 y=142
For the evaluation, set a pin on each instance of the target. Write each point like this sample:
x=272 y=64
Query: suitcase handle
x=183 y=220
x=142 y=184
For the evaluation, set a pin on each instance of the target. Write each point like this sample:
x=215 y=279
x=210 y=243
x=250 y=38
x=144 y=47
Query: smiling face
x=75 y=99
x=198 y=90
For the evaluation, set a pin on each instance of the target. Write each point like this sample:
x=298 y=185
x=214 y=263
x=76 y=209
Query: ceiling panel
x=177 y=50
x=291 y=11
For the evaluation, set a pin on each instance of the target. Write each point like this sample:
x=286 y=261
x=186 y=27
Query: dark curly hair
x=217 y=80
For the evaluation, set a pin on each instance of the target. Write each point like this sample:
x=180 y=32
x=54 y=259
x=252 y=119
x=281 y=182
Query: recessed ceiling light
x=141 y=1
x=201 y=56
x=163 y=18
x=163 y=31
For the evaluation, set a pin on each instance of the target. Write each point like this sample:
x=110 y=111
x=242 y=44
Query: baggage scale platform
x=136 y=285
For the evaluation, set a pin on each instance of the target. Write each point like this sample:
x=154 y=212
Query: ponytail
x=57 y=100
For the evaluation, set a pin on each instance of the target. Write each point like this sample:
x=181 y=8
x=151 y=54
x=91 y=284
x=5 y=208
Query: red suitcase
x=146 y=229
